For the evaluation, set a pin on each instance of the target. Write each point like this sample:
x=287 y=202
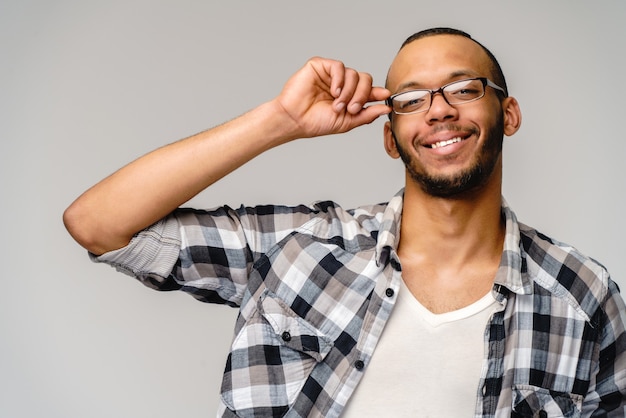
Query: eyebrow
x=451 y=76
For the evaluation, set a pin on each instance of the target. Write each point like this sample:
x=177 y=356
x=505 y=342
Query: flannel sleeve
x=206 y=253
x=607 y=394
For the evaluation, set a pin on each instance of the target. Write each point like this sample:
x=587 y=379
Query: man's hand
x=325 y=97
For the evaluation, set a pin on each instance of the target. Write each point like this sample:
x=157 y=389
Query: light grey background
x=88 y=86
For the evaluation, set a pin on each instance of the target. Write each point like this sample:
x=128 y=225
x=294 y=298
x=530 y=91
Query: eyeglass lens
x=455 y=93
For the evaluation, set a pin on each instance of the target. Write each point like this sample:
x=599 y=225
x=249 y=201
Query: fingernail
x=339 y=106
x=355 y=107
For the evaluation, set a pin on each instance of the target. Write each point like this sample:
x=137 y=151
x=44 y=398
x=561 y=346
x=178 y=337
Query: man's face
x=447 y=150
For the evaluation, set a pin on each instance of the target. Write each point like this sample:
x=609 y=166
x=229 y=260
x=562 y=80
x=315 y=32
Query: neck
x=453 y=233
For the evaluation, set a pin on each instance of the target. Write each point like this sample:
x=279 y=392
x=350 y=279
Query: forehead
x=436 y=59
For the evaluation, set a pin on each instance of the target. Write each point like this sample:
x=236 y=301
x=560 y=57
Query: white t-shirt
x=425 y=364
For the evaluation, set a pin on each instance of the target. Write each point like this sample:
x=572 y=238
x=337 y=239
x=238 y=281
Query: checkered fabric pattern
x=316 y=285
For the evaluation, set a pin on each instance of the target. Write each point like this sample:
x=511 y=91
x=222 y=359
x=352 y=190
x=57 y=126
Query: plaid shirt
x=316 y=285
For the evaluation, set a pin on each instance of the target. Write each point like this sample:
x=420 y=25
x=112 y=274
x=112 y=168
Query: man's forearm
x=107 y=215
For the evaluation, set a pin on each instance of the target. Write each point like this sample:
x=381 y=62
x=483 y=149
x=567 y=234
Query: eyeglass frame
x=485 y=81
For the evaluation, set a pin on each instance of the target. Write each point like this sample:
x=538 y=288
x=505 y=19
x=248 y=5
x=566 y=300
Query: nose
x=440 y=109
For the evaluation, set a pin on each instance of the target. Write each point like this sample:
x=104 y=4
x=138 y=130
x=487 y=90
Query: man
x=437 y=303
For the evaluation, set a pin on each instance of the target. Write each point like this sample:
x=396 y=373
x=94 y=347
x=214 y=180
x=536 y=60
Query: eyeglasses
x=455 y=93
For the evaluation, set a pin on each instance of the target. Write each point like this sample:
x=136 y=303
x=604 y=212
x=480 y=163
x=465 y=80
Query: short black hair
x=497 y=74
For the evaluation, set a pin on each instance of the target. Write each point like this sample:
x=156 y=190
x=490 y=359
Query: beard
x=466 y=180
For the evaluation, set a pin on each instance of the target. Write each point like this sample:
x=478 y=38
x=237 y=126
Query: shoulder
x=565 y=272
x=356 y=227
x=320 y=208
x=323 y=218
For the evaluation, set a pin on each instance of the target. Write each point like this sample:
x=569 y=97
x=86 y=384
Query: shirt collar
x=511 y=269
x=389 y=230
x=512 y=266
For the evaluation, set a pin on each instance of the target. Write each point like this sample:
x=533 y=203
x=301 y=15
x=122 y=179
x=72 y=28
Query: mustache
x=452 y=127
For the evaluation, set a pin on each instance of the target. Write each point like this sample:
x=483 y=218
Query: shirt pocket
x=292 y=331
x=536 y=402
x=271 y=358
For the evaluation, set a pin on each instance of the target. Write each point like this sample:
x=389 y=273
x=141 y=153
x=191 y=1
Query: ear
x=390 y=142
x=512 y=115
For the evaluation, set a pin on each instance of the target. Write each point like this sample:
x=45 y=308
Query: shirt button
x=389 y=292
x=359 y=364
x=286 y=336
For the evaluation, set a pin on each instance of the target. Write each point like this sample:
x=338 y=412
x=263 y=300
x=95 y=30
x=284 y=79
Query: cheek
x=485 y=119
x=494 y=113
x=407 y=129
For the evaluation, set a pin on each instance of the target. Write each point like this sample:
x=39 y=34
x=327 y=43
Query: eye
x=411 y=100
x=464 y=90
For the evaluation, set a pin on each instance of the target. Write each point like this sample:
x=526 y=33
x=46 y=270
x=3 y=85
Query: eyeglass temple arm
x=495 y=86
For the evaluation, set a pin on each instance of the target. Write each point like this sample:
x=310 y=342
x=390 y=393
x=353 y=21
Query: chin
x=459 y=184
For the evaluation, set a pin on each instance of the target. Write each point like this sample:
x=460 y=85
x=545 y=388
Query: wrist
x=280 y=126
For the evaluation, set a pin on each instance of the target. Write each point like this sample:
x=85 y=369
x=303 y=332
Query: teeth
x=444 y=143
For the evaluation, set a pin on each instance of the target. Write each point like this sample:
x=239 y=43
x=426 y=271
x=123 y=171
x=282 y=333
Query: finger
x=350 y=82
x=370 y=113
x=336 y=70
x=361 y=93
x=378 y=94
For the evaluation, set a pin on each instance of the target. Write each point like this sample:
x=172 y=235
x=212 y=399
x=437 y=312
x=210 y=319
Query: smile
x=441 y=144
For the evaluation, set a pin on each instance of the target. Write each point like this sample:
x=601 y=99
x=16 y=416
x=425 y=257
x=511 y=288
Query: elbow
x=77 y=225
x=82 y=225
